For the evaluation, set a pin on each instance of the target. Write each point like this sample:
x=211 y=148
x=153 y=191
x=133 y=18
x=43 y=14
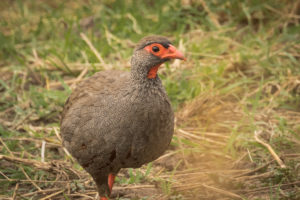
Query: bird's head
x=150 y=53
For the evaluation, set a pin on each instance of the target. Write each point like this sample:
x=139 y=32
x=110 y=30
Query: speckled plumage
x=117 y=119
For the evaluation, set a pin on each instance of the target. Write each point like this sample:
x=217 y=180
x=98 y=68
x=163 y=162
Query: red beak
x=173 y=53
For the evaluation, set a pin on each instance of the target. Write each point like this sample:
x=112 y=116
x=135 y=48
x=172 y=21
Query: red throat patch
x=153 y=72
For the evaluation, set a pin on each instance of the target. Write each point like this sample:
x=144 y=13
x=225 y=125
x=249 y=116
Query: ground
x=236 y=98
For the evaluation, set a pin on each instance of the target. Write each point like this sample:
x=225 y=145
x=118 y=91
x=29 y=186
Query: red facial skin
x=164 y=53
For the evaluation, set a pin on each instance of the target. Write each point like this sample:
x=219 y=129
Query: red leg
x=111 y=180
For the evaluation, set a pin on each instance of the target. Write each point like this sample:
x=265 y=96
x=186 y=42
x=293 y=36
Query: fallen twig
x=36 y=181
x=44 y=166
x=28 y=178
x=6 y=147
x=267 y=188
x=79 y=78
x=254 y=170
x=52 y=195
x=38 y=192
x=227 y=193
x=76 y=194
x=60 y=139
x=263 y=175
x=53 y=166
x=197 y=185
x=97 y=54
x=43 y=151
x=15 y=191
x=275 y=156
x=49 y=142
x=185 y=133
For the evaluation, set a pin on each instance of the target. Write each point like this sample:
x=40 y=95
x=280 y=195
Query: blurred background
x=237 y=97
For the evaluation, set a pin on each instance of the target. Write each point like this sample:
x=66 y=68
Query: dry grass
x=219 y=173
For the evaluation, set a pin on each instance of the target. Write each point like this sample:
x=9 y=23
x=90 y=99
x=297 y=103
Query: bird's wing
x=86 y=124
x=102 y=83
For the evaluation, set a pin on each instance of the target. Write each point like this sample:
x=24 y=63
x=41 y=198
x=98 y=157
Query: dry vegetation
x=236 y=98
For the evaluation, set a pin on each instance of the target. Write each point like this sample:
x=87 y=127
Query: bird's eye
x=155 y=49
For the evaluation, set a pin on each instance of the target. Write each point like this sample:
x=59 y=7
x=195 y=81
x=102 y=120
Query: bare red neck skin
x=153 y=72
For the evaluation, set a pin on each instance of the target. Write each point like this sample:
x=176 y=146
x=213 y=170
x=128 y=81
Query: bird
x=119 y=119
